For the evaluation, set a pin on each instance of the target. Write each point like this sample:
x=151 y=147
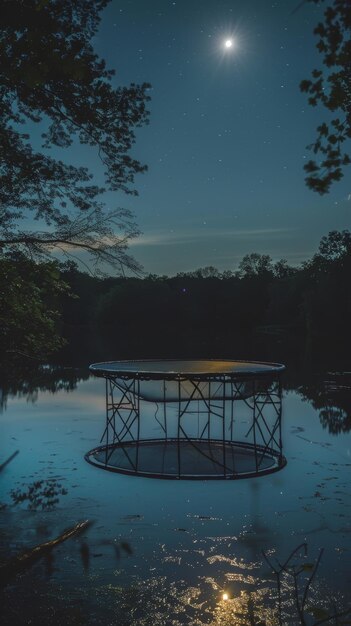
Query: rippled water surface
x=165 y=552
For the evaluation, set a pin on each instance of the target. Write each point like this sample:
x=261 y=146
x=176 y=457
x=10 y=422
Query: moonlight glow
x=229 y=44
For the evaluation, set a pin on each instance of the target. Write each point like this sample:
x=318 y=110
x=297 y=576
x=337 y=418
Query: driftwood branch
x=24 y=561
x=3 y=465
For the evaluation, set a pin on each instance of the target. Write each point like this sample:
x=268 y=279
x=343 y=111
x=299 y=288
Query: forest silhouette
x=195 y=313
x=312 y=300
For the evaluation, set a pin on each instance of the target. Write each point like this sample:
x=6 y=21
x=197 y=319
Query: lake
x=174 y=552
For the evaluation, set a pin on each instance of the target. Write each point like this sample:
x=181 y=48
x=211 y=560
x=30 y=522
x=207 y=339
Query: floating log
x=23 y=562
x=3 y=465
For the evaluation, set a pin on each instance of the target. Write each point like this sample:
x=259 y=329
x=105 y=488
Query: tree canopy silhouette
x=331 y=87
x=254 y=264
x=52 y=80
x=30 y=296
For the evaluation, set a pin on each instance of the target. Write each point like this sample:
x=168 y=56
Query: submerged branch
x=23 y=562
x=3 y=465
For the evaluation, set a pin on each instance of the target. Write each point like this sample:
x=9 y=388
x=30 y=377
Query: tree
x=282 y=270
x=207 y=272
x=331 y=87
x=336 y=245
x=51 y=79
x=256 y=265
x=326 y=298
x=29 y=297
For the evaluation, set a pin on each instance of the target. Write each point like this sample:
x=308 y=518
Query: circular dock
x=191 y=419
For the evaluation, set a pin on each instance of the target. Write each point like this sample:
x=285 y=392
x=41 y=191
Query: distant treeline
x=314 y=298
x=41 y=303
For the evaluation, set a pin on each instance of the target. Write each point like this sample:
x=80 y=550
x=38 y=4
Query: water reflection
x=170 y=600
x=330 y=394
x=239 y=601
x=28 y=380
x=190 y=543
x=41 y=494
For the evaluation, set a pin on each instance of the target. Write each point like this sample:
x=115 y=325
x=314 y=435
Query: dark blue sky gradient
x=228 y=131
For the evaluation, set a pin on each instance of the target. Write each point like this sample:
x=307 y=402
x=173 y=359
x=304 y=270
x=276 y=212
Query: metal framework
x=191 y=420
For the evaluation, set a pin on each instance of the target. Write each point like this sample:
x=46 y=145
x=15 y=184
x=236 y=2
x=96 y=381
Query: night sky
x=228 y=130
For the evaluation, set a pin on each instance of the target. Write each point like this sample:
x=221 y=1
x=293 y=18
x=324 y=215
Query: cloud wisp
x=168 y=237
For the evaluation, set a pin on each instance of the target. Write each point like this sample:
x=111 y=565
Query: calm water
x=190 y=541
